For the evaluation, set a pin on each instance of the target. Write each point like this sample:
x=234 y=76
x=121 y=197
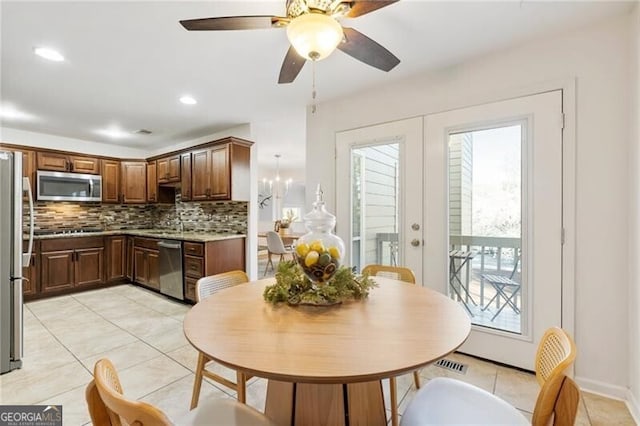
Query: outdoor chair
x=205 y=287
x=449 y=401
x=275 y=246
x=505 y=287
x=402 y=274
x=109 y=407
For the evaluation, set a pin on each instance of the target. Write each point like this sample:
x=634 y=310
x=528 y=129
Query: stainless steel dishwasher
x=171 y=268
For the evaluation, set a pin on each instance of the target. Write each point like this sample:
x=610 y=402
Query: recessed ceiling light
x=113 y=133
x=188 y=100
x=50 y=54
x=9 y=112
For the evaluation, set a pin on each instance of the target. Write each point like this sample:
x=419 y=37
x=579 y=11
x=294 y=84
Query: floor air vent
x=452 y=365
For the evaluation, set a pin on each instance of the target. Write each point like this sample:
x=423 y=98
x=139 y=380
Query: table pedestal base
x=331 y=404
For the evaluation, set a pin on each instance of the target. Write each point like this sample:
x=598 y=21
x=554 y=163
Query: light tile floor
x=141 y=332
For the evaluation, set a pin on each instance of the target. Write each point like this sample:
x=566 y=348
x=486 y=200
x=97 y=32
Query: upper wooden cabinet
x=186 y=177
x=221 y=173
x=168 y=169
x=110 y=181
x=59 y=162
x=152 y=182
x=133 y=188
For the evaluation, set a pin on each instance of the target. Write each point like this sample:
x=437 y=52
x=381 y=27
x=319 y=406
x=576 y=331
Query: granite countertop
x=166 y=234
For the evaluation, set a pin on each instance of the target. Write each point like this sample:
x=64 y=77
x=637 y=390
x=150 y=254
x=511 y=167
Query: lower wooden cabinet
x=145 y=262
x=129 y=256
x=115 y=253
x=67 y=263
x=31 y=272
x=210 y=258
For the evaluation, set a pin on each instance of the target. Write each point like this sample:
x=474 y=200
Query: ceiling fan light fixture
x=314 y=35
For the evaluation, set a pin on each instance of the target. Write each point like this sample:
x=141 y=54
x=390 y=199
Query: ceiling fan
x=313 y=31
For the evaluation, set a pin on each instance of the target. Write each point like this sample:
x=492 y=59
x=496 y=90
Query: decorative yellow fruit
x=317 y=246
x=334 y=252
x=302 y=249
x=312 y=258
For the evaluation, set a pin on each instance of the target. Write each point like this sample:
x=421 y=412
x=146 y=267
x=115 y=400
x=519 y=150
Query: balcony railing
x=492 y=255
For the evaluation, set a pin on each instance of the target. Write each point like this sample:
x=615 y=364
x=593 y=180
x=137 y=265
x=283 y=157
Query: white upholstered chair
x=444 y=401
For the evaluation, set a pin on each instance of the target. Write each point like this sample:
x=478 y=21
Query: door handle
x=415 y=242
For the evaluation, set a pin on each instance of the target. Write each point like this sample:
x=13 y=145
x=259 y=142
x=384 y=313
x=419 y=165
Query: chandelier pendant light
x=272 y=189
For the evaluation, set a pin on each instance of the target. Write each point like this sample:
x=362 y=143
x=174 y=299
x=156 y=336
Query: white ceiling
x=127 y=63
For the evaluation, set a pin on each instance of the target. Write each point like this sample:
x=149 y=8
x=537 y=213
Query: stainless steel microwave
x=59 y=186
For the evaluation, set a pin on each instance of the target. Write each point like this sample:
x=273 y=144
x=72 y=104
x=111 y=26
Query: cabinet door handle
x=70 y=166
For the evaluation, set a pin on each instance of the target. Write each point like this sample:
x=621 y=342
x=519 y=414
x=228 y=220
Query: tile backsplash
x=214 y=216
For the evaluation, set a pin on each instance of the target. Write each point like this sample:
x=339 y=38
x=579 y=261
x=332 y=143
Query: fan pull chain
x=313 y=87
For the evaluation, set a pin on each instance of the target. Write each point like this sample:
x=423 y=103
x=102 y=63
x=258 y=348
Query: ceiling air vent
x=142 y=132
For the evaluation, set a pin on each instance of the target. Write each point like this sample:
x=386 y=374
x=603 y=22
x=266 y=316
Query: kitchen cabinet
x=67 y=263
x=210 y=258
x=133 y=188
x=169 y=169
x=30 y=272
x=110 y=181
x=221 y=172
x=145 y=262
x=28 y=165
x=129 y=257
x=152 y=182
x=59 y=162
x=115 y=253
x=29 y=168
x=185 y=179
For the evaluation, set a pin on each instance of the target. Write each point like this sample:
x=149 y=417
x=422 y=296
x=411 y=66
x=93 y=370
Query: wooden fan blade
x=362 y=7
x=231 y=23
x=366 y=50
x=291 y=66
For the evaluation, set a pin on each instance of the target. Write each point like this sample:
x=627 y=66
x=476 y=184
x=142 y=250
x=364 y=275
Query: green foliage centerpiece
x=294 y=287
x=317 y=277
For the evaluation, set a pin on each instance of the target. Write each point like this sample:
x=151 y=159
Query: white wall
x=242 y=131
x=42 y=140
x=634 y=223
x=598 y=57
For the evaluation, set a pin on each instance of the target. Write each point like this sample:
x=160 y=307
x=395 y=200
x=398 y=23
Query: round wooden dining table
x=325 y=364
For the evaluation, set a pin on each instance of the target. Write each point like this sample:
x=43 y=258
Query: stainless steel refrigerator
x=12 y=187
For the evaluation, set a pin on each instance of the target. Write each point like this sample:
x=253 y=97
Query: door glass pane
x=485 y=225
x=374 y=205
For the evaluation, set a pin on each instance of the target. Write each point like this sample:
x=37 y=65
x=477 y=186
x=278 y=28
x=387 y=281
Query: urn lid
x=319 y=219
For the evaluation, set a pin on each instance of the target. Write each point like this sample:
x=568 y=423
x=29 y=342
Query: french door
x=379 y=195
x=493 y=220
x=471 y=200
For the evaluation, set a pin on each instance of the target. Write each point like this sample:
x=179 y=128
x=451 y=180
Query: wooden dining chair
x=275 y=245
x=205 y=287
x=402 y=274
x=109 y=407
x=449 y=401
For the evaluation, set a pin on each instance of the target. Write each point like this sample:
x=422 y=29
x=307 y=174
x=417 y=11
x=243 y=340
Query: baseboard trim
x=633 y=406
x=601 y=388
